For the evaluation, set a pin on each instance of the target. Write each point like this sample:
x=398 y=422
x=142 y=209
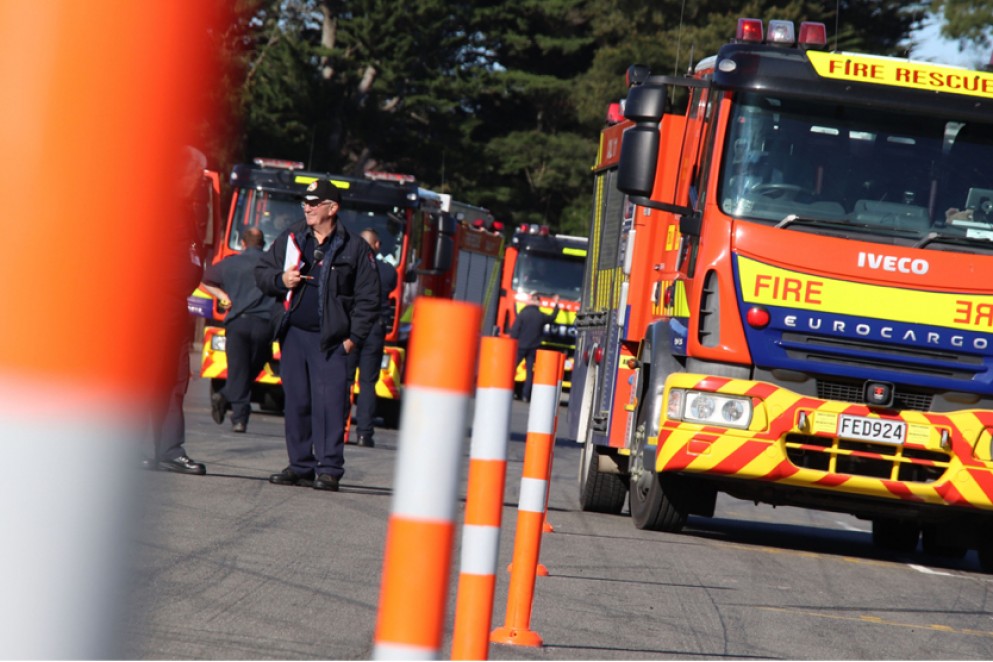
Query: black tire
x=659 y=502
x=985 y=552
x=895 y=535
x=389 y=411
x=599 y=492
x=934 y=544
x=271 y=400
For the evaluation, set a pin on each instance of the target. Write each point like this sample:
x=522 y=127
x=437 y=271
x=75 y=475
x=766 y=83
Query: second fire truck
x=434 y=255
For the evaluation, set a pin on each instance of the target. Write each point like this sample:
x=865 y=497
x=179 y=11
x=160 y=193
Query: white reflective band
x=491 y=424
x=544 y=402
x=479 y=549
x=532 y=498
x=429 y=454
x=385 y=651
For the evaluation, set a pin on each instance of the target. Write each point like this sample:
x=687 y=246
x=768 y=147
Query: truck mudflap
x=927 y=459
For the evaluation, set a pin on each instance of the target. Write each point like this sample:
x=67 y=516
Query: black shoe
x=289 y=477
x=326 y=482
x=366 y=440
x=218 y=407
x=183 y=465
x=238 y=427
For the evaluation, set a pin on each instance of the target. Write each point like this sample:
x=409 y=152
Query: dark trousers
x=172 y=379
x=528 y=354
x=249 y=346
x=315 y=384
x=368 y=359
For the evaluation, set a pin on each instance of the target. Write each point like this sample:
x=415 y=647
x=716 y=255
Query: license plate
x=878 y=430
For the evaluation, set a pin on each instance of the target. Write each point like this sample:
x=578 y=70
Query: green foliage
x=971 y=22
x=499 y=103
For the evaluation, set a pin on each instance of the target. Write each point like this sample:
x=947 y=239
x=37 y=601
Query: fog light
x=218 y=343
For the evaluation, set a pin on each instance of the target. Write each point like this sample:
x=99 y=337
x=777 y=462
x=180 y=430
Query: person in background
x=527 y=330
x=328 y=281
x=182 y=251
x=247 y=327
x=370 y=355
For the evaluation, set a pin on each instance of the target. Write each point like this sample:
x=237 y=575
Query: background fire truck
x=433 y=253
x=537 y=261
x=789 y=293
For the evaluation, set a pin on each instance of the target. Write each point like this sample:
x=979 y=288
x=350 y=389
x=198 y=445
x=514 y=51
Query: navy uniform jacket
x=348 y=285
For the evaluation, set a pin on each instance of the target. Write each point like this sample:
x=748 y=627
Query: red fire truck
x=434 y=255
x=789 y=293
x=539 y=262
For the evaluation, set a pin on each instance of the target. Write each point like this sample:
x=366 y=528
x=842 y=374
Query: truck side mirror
x=636 y=171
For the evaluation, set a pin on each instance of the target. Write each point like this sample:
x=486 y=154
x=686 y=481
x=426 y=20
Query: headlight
x=730 y=411
x=218 y=343
x=385 y=363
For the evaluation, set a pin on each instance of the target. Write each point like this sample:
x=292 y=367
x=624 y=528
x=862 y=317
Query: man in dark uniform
x=527 y=329
x=370 y=356
x=328 y=280
x=247 y=327
x=182 y=252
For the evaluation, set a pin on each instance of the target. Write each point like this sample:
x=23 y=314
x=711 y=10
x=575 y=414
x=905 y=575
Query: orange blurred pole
x=484 y=499
x=101 y=96
x=531 y=506
x=420 y=533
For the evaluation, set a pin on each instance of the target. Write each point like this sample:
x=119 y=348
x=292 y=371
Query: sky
x=932 y=47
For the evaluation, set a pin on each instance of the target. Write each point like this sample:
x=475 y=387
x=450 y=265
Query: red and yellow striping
x=951 y=449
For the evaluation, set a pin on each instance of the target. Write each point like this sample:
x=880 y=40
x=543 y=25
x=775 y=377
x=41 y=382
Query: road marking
x=929 y=571
x=877 y=620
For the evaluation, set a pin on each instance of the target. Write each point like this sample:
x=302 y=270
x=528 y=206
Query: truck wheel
x=389 y=411
x=986 y=552
x=934 y=544
x=658 y=502
x=272 y=401
x=599 y=492
x=895 y=535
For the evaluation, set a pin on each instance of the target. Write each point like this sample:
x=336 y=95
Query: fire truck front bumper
x=733 y=429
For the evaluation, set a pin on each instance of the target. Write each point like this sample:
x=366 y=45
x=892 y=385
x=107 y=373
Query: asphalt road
x=228 y=566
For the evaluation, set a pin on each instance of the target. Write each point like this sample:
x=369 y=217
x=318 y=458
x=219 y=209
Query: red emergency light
x=812 y=34
x=614 y=113
x=757 y=317
x=749 y=30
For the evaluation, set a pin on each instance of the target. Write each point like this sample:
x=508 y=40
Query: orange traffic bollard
x=531 y=506
x=546 y=525
x=420 y=533
x=484 y=499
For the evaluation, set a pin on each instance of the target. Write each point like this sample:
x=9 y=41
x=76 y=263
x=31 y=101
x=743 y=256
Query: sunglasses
x=314 y=203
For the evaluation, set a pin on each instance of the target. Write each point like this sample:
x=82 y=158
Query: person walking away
x=247 y=327
x=182 y=251
x=527 y=330
x=369 y=358
x=329 y=285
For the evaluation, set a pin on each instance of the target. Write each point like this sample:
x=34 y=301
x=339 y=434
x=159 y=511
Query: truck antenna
x=837 y=16
x=679 y=39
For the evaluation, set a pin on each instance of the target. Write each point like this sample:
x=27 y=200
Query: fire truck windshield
x=549 y=275
x=273 y=212
x=893 y=175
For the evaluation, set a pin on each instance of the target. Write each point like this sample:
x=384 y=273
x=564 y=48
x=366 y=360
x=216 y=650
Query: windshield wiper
x=946 y=238
x=872 y=228
x=796 y=219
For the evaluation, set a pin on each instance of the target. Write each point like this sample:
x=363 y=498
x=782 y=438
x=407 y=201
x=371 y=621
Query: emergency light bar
x=782 y=33
x=542 y=230
x=377 y=176
x=282 y=164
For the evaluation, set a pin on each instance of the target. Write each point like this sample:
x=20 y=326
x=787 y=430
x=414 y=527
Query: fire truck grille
x=893 y=358
x=853 y=392
x=858 y=458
